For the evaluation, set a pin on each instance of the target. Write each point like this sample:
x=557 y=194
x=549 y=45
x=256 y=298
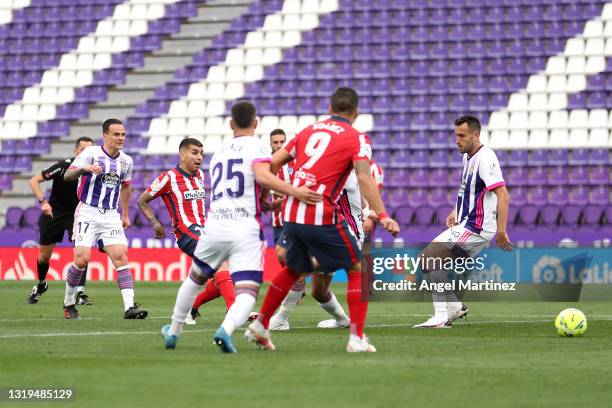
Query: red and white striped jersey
x=184 y=196
x=324 y=154
x=378 y=174
x=284 y=173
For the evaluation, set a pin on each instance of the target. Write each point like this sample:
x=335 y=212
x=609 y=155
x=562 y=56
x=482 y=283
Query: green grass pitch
x=504 y=355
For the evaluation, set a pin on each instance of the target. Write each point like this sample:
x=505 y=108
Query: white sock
x=69 y=295
x=453 y=305
x=441 y=310
x=80 y=289
x=238 y=313
x=128 y=298
x=184 y=300
x=292 y=299
x=334 y=308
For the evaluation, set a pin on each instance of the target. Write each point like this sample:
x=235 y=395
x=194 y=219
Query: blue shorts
x=188 y=244
x=333 y=246
x=280 y=239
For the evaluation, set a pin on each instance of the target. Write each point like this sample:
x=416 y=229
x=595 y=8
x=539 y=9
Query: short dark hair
x=472 y=122
x=344 y=100
x=190 y=141
x=243 y=113
x=108 y=122
x=278 y=132
x=83 y=139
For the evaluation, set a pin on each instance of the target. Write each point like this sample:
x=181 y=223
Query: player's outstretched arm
x=143 y=203
x=279 y=159
x=124 y=195
x=266 y=179
x=503 y=203
x=45 y=207
x=370 y=192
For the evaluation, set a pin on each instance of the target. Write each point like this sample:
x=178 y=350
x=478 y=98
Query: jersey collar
x=183 y=172
x=339 y=119
x=106 y=153
x=476 y=152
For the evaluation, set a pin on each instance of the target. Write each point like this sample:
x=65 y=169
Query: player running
x=481 y=213
x=350 y=205
x=57 y=216
x=182 y=190
x=324 y=154
x=233 y=229
x=104 y=174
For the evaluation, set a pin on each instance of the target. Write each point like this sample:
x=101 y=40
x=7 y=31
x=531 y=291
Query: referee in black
x=57 y=216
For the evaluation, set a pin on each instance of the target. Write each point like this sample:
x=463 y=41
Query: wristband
x=382 y=215
x=41 y=200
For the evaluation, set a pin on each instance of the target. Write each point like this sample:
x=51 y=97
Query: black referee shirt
x=63 y=196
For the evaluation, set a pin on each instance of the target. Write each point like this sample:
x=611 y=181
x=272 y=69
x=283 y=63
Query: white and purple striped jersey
x=476 y=201
x=102 y=190
x=350 y=205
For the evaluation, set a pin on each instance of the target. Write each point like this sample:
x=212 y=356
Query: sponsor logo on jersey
x=110 y=180
x=194 y=195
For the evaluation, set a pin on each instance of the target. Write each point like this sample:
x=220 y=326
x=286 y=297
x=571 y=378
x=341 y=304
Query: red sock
x=358 y=309
x=209 y=293
x=226 y=287
x=279 y=287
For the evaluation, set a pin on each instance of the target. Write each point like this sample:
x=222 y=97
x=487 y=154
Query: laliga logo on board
x=548 y=269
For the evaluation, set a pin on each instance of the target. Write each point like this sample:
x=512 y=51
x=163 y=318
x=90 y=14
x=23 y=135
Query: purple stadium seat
x=571 y=214
x=403 y=215
x=593 y=214
x=579 y=196
x=550 y=214
x=538 y=196
x=418 y=198
x=578 y=175
x=424 y=215
x=558 y=196
x=518 y=176
x=31 y=216
x=558 y=176
x=14 y=217
x=579 y=157
x=528 y=214
x=600 y=196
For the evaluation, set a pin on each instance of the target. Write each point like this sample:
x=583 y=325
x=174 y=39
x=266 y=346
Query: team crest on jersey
x=194 y=195
x=110 y=180
x=124 y=166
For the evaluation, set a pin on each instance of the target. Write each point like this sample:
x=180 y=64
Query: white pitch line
x=119 y=333
x=550 y=316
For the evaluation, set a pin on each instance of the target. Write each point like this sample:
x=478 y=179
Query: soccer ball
x=571 y=323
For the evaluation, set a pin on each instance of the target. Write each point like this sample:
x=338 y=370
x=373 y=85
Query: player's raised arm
x=143 y=203
x=265 y=178
x=279 y=159
x=503 y=204
x=370 y=192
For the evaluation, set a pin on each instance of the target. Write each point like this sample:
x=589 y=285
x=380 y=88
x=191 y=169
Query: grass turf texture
x=506 y=354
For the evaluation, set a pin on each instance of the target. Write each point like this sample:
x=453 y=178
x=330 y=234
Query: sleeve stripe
x=494 y=186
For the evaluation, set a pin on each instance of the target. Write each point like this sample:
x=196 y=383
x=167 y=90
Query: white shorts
x=97 y=226
x=245 y=257
x=469 y=241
